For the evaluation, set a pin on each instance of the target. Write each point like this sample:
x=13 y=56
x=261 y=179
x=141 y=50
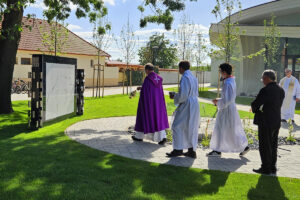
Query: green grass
x=175 y=89
x=239 y=99
x=46 y=164
x=206 y=109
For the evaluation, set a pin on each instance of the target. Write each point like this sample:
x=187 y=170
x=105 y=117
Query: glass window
x=92 y=63
x=25 y=61
x=297 y=65
x=293 y=47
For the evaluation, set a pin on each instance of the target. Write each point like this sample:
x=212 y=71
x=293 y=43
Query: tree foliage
x=102 y=35
x=158 y=51
x=56 y=38
x=184 y=36
x=228 y=32
x=200 y=49
x=161 y=11
x=127 y=42
x=11 y=14
x=56 y=10
x=271 y=44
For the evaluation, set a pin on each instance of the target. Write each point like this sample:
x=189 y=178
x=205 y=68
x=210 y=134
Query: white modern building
x=251 y=25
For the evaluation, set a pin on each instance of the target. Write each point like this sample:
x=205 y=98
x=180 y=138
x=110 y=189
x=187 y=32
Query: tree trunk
x=8 y=52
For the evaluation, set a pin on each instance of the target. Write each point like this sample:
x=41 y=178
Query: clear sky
x=119 y=10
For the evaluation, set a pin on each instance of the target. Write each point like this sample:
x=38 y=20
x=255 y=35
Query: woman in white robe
x=228 y=134
x=186 y=121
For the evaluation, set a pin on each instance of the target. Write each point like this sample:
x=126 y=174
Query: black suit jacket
x=270 y=99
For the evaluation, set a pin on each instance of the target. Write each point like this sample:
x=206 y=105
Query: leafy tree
x=200 y=49
x=102 y=39
x=162 y=14
x=271 y=44
x=158 y=51
x=228 y=33
x=11 y=14
x=55 y=39
x=162 y=11
x=184 y=34
x=127 y=45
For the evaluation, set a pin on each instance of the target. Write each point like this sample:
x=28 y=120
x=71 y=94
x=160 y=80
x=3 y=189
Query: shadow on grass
x=58 y=168
x=267 y=188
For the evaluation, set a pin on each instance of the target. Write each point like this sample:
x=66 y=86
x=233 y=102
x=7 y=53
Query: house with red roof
x=74 y=47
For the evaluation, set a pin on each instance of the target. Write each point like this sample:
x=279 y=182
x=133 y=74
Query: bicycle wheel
x=18 y=90
x=24 y=88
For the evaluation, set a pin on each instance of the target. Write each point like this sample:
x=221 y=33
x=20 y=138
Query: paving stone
x=98 y=134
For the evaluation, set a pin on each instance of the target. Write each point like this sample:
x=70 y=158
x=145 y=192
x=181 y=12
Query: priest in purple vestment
x=151 y=118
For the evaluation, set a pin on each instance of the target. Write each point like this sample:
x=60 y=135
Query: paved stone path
x=110 y=135
x=89 y=92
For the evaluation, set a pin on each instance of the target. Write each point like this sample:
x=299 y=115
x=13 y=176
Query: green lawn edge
x=46 y=164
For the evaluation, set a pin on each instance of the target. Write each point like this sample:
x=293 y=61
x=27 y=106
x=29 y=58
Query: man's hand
x=215 y=101
x=139 y=88
x=297 y=100
x=171 y=95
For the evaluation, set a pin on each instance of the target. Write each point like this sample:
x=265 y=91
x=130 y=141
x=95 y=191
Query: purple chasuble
x=152 y=113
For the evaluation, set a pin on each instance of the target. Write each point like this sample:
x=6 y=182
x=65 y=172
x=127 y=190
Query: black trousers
x=268 y=143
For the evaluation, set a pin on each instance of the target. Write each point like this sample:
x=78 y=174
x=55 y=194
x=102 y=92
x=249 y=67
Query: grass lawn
x=175 y=89
x=239 y=100
x=46 y=164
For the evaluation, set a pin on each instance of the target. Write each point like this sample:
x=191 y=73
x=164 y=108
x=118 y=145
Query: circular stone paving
x=111 y=135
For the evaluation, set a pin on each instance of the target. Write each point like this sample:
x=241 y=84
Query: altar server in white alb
x=187 y=115
x=291 y=88
x=228 y=134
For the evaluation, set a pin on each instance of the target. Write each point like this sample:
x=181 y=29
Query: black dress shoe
x=191 y=154
x=293 y=121
x=136 y=139
x=283 y=120
x=246 y=150
x=163 y=141
x=175 y=153
x=262 y=171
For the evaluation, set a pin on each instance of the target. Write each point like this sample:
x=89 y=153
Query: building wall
x=172 y=77
x=169 y=77
x=202 y=76
x=83 y=62
x=252 y=68
x=290 y=19
x=237 y=64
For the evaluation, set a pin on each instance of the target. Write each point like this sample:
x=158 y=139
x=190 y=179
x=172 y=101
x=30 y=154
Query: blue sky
x=119 y=10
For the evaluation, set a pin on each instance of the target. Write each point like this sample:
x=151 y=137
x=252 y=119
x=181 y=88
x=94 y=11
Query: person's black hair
x=270 y=74
x=185 y=65
x=149 y=67
x=226 y=67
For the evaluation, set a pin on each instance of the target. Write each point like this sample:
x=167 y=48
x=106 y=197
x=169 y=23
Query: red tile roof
x=112 y=63
x=31 y=40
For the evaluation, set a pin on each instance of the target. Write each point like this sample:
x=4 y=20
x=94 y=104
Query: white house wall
x=83 y=62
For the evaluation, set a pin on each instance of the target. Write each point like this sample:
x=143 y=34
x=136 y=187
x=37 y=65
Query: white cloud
x=39 y=4
x=73 y=27
x=151 y=31
x=87 y=35
x=110 y=2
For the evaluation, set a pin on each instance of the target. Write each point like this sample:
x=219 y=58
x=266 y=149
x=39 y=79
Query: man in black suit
x=267 y=109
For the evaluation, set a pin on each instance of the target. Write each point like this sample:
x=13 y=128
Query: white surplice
x=292 y=90
x=155 y=137
x=228 y=134
x=187 y=115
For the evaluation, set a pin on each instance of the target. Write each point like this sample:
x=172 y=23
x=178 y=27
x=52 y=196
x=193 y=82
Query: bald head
x=288 y=72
